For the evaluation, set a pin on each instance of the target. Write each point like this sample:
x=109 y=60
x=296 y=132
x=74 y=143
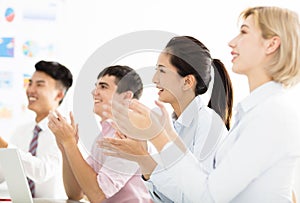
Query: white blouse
x=256 y=162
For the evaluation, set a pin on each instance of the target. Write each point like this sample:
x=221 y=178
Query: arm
x=47 y=164
x=71 y=185
x=241 y=163
x=85 y=176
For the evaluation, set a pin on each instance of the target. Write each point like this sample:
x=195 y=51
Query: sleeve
x=114 y=174
x=259 y=146
x=48 y=161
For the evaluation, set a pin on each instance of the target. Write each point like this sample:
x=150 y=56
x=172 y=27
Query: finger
x=113 y=124
x=52 y=118
x=59 y=116
x=120 y=135
x=113 y=154
x=119 y=108
x=162 y=108
x=137 y=106
x=72 y=120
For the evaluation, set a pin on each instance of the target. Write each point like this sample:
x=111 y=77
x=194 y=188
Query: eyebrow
x=37 y=81
x=102 y=83
x=160 y=66
x=244 y=25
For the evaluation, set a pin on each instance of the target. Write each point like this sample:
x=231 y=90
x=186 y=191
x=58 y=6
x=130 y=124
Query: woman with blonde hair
x=257 y=160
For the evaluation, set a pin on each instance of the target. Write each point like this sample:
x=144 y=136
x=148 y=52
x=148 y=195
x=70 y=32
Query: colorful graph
x=32 y=49
x=26 y=78
x=6 y=79
x=9 y=14
x=7 y=47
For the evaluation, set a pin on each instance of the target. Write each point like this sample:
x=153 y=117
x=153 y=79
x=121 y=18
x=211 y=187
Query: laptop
x=13 y=172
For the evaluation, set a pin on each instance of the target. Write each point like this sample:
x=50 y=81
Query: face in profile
x=43 y=93
x=168 y=82
x=247 y=48
x=103 y=93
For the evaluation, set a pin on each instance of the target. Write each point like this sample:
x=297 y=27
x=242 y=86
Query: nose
x=30 y=89
x=155 y=78
x=232 y=43
x=94 y=91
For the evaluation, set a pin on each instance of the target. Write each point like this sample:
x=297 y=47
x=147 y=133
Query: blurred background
x=71 y=31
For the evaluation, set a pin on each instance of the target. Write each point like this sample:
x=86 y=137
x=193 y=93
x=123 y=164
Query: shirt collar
x=43 y=124
x=259 y=95
x=186 y=117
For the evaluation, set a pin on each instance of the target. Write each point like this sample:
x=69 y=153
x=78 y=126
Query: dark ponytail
x=221 y=99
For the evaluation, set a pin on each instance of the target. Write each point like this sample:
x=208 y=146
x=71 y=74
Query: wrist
x=147 y=165
x=68 y=144
x=160 y=140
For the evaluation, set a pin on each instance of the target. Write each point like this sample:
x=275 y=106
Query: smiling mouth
x=32 y=99
x=97 y=101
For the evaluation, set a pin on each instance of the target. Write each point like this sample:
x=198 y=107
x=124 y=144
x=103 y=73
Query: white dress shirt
x=256 y=162
x=45 y=169
x=202 y=130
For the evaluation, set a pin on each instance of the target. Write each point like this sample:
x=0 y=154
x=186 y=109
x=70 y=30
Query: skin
x=79 y=177
x=173 y=89
x=251 y=54
x=43 y=94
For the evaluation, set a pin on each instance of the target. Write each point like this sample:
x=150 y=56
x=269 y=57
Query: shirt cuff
x=170 y=154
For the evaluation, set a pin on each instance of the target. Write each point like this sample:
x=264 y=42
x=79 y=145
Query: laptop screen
x=13 y=172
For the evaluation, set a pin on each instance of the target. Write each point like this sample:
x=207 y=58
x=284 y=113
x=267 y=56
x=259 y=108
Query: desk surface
x=5 y=198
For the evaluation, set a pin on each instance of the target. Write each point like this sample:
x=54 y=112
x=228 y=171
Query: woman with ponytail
x=257 y=161
x=184 y=72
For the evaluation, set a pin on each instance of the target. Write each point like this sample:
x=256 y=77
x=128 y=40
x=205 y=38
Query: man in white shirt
x=46 y=90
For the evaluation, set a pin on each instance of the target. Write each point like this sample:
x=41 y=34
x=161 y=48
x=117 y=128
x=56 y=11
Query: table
x=5 y=198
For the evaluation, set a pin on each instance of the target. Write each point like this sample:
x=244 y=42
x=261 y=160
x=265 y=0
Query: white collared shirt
x=45 y=169
x=202 y=130
x=257 y=161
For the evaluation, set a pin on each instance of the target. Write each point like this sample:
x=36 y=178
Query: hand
x=138 y=121
x=126 y=148
x=3 y=143
x=130 y=149
x=64 y=132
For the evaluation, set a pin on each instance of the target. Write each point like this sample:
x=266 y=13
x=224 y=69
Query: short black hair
x=127 y=79
x=56 y=71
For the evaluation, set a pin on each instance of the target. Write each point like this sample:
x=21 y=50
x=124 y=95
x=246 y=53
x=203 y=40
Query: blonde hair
x=284 y=23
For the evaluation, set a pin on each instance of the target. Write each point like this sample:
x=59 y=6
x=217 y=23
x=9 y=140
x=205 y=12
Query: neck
x=180 y=105
x=40 y=117
x=258 y=79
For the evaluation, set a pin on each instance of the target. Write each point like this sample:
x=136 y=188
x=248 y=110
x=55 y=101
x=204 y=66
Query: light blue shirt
x=202 y=130
x=256 y=162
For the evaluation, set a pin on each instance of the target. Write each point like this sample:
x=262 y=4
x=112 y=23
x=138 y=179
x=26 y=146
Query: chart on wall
x=29 y=31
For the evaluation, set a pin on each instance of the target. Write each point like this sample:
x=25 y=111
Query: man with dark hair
x=101 y=178
x=36 y=144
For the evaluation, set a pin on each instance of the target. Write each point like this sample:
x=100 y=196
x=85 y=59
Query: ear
x=189 y=82
x=272 y=44
x=60 y=95
x=127 y=95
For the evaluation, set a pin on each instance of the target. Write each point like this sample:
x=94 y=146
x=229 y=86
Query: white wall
x=89 y=24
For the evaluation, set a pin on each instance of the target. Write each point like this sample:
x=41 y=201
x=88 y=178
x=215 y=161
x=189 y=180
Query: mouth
x=234 y=55
x=160 y=89
x=32 y=99
x=96 y=101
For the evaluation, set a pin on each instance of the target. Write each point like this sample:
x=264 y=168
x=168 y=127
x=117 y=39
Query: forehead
x=248 y=22
x=41 y=76
x=164 y=62
x=108 y=79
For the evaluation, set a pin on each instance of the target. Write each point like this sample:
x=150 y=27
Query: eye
x=160 y=69
x=103 y=86
x=243 y=31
